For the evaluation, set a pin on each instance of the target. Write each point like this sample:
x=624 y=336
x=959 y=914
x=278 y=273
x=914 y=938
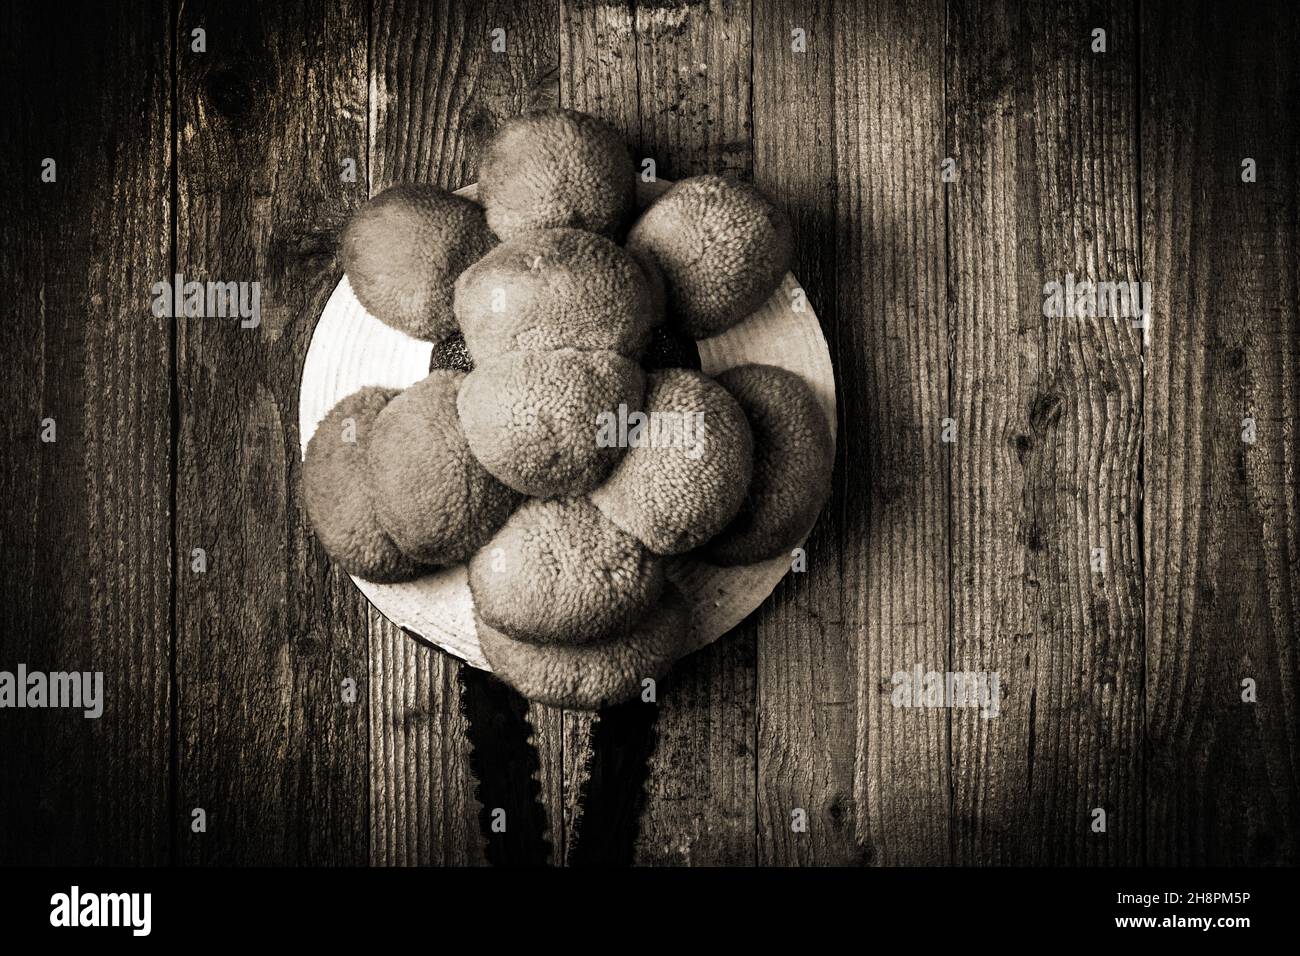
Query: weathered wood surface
x=267 y=746
x=1045 y=467
x=807 y=642
x=1222 y=513
x=1121 y=681
x=85 y=571
x=895 y=344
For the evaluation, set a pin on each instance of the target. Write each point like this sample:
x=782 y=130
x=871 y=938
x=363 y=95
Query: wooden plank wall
x=1222 y=513
x=807 y=655
x=86 y=536
x=266 y=745
x=1046 y=501
x=1106 y=516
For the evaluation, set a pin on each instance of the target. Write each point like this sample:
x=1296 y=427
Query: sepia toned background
x=1122 y=687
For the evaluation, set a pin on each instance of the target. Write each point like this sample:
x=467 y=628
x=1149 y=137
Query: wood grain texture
x=689 y=67
x=437 y=92
x=86 y=568
x=1222 y=514
x=1121 y=688
x=422 y=804
x=807 y=653
x=268 y=746
x=561 y=748
x=1046 y=466
x=892 y=364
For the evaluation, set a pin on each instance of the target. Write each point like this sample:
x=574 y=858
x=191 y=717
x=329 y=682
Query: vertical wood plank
x=891 y=350
x=598 y=59
x=1222 y=513
x=1046 y=477
x=806 y=650
x=268 y=747
x=422 y=804
x=675 y=80
x=561 y=750
x=86 y=567
x=438 y=92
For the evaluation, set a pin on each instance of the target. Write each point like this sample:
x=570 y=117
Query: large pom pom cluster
x=563 y=473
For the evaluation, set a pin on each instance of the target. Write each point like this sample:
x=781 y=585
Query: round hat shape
x=351 y=348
